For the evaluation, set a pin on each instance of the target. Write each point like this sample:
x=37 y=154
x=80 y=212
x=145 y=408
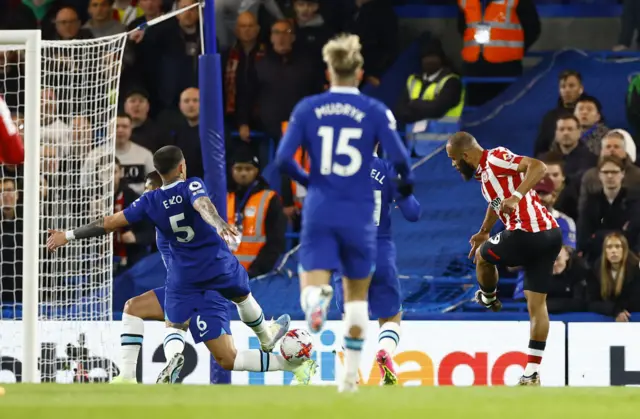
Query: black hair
x=167 y=159
x=123 y=115
x=154 y=178
x=568 y=115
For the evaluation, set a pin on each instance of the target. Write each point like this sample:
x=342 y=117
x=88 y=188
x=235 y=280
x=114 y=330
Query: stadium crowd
x=271 y=60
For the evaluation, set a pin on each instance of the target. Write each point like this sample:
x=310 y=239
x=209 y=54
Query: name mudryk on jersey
x=338 y=108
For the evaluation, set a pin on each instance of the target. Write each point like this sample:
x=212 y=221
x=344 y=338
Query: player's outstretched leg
x=539 y=324
x=226 y=355
x=315 y=297
x=388 y=340
x=251 y=314
x=143 y=307
x=356 y=317
x=487 y=275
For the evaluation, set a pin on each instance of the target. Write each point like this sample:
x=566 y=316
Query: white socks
x=173 y=342
x=356 y=314
x=251 y=314
x=130 y=344
x=389 y=337
x=259 y=361
x=489 y=297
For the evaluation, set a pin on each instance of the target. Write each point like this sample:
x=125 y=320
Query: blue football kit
x=385 y=298
x=211 y=319
x=200 y=260
x=339 y=130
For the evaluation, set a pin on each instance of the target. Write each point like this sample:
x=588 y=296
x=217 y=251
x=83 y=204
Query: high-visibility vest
x=302 y=158
x=505 y=38
x=415 y=86
x=253 y=224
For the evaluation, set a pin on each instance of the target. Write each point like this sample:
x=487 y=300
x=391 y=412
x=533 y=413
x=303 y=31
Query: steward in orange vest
x=496 y=35
x=257 y=213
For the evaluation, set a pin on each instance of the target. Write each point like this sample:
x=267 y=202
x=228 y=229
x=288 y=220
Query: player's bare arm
x=210 y=215
x=97 y=228
x=534 y=170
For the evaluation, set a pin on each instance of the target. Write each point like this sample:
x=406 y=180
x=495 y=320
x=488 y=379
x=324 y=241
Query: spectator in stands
x=68 y=26
x=145 y=132
x=126 y=11
x=629 y=25
x=615 y=288
x=102 y=22
x=566 y=195
x=12 y=246
x=284 y=77
x=376 y=23
x=615 y=144
x=180 y=47
x=257 y=213
x=133 y=243
x=135 y=160
x=614 y=208
x=434 y=93
x=186 y=133
x=571 y=89
x=143 y=56
x=32 y=14
x=567 y=292
x=490 y=49
x=589 y=113
x=53 y=130
x=546 y=191
x=241 y=79
x=310 y=29
x=576 y=156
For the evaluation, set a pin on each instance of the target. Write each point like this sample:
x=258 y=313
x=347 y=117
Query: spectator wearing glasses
x=67 y=26
x=617 y=143
x=614 y=290
x=614 y=208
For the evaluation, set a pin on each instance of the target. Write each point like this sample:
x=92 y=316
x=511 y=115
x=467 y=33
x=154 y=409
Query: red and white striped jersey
x=498 y=172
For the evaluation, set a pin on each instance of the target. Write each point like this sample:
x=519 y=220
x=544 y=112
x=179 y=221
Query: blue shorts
x=180 y=301
x=349 y=249
x=385 y=299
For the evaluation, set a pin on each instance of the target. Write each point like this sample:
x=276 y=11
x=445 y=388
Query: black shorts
x=534 y=252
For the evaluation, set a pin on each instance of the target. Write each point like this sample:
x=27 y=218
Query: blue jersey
x=385 y=194
x=163 y=247
x=198 y=253
x=339 y=130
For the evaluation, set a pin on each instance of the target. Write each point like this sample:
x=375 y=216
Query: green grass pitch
x=95 y=401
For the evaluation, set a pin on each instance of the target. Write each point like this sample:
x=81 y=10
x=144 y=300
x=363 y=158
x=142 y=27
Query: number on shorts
x=173 y=220
x=343 y=148
x=202 y=325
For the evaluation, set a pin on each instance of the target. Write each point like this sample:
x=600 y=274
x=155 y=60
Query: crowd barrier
x=459 y=353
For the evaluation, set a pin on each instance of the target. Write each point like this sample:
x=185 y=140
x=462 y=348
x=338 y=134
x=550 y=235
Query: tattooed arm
x=99 y=227
x=209 y=213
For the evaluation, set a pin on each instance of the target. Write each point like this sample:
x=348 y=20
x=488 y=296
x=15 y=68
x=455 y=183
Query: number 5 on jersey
x=181 y=230
x=343 y=148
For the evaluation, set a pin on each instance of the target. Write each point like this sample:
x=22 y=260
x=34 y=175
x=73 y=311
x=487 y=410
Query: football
x=296 y=346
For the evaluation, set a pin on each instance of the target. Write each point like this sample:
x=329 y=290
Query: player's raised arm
x=11 y=148
x=99 y=227
x=289 y=143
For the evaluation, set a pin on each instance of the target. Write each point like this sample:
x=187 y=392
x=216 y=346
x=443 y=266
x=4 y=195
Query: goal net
x=78 y=92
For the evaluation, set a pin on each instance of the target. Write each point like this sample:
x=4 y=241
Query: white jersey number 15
x=343 y=148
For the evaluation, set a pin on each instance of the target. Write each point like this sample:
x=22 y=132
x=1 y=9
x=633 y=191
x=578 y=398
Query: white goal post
x=30 y=40
x=65 y=95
